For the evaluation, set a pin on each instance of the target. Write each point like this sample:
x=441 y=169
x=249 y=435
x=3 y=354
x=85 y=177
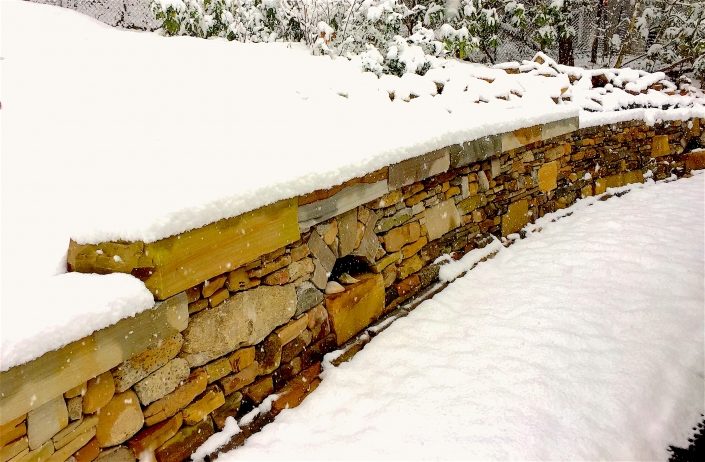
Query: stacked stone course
x=263 y=327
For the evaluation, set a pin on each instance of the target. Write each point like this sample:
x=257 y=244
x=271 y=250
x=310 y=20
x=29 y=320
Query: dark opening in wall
x=351 y=265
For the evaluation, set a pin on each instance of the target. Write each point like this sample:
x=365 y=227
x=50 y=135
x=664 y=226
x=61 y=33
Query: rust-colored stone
x=260 y=389
x=242 y=358
x=89 y=452
x=296 y=390
x=268 y=354
x=99 y=392
x=228 y=409
x=172 y=403
x=356 y=308
x=185 y=442
x=152 y=437
x=235 y=382
x=211 y=400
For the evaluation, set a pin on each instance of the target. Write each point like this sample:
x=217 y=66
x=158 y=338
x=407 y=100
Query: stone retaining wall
x=252 y=303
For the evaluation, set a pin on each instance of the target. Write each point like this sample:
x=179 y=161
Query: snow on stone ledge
x=74 y=306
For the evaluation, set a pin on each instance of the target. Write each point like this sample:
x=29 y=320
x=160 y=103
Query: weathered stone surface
x=140 y=366
x=369 y=244
x=89 y=452
x=320 y=250
x=99 y=392
x=119 y=419
x=244 y=319
x=197 y=306
x=152 y=437
x=301 y=268
x=475 y=151
x=291 y=330
x=12 y=430
x=211 y=286
x=307 y=296
x=296 y=346
x=197 y=411
x=228 y=409
x=356 y=308
x=239 y=279
x=559 y=127
x=320 y=275
x=386 y=261
x=410 y=266
x=176 y=400
x=419 y=168
x=66 y=451
x=118 y=454
x=660 y=146
x=411 y=249
x=237 y=381
x=695 y=160
x=75 y=429
x=441 y=219
x=483 y=181
x=40 y=454
x=162 y=381
x=10 y=450
x=278 y=278
x=399 y=218
x=521 y=137
x=218 y=369
x=347 y=199
x=185 y=442
x=260 y=389
x=516 y=217
x=270 y=267
x=334 y=287
x=46 y=421
x=79 y=390
x=395 y=239
x=347 y=232
x=268 y=354
x=547 y=176
x=75 y=407
x=242 y=358
x=296 y=390
x=328 y=231
x=218 y=297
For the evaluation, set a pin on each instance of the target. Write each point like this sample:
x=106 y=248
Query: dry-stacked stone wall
x=245 y=317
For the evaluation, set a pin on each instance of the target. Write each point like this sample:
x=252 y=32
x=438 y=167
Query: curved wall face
x=252 y=303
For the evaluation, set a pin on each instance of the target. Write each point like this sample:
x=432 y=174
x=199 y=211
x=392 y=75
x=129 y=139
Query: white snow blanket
x=120 y=135
x=581 y=342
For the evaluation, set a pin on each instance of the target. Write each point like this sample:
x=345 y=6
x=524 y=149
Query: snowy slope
x=582 y=342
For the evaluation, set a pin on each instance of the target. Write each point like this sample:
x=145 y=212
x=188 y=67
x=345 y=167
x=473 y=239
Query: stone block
x=242 y=358
x=291 y=330
x=320 y=275
x=162 y=381
x=634 y=176
x=270 y=267
x=660 y=146
x=66 y=451
x=307 y=296
x=385 y=261
x=321 y=251
x=13 y=429
x=46 y=421
x=559 y=127
x=243 y=319
x=695 y=160
x=410 y=266
x=197 y=411
x=419 y=168
x=228 y=409
x=185 y=442
x=72 y=432
x=441 y=219
x=268 y=354
x=236 y=382
x=517 y=217
x=240 y=280
x=411 y=249
x=218 y=369
x=548 y=176
x=211 y=286
x=395 y=239
x=471 y=203
x=176 y=400
x=99 y=392
x=521 y=137
x=356 y=308
x=218 y=297
x=14 y=448
x=297 y=389
x=152 y=437
x=140 y=366
x=345 y=200
x=475 y=151
x=118 y=420
x=41 y=454
x=260 y=389
x=89 y=452
x=369 y=244
x=117 y=454
x=78 y=390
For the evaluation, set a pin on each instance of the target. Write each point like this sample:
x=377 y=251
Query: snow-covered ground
x=581 y=342
x=121 y=135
